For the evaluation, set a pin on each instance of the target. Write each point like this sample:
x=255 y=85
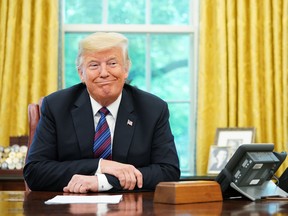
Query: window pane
x=126 y=12
x=71 y=50
x=82 y=12
x=169 y=66
x=170 y=12
x=137 y=52
x=180 y=128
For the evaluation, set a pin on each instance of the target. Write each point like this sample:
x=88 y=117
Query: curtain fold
x=243 y=72
x=28 y=60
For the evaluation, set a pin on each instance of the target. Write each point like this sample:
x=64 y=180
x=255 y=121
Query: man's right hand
x=82 y=184
x=127 y=174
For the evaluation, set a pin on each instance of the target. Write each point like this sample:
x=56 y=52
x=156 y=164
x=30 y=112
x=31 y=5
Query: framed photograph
x=218 y=158
x=234 y=137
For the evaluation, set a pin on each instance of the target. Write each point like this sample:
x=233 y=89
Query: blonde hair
x=101 y=41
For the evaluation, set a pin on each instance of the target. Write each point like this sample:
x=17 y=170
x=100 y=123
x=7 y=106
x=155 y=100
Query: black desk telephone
x=283 y=181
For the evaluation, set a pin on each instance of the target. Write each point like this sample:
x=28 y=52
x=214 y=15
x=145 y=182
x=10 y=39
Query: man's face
x=104 y=74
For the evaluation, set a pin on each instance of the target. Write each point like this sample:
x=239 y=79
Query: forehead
x=104 y=55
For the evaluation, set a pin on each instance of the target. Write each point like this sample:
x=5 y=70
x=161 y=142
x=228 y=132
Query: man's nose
x=103 y=70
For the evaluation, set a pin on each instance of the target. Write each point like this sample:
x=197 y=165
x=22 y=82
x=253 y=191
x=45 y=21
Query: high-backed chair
x=33 y=119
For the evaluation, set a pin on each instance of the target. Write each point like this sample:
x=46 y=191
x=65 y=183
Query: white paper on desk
x=67 y=199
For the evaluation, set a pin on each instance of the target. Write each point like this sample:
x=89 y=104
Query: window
x=163 y=50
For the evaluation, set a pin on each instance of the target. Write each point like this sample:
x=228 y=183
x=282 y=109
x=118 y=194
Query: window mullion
x=105 y=11
x=175 y=29
x=148 y=74
x=148 y=13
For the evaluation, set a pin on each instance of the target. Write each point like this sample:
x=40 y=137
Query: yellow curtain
x=28 y=60
x=243 y=72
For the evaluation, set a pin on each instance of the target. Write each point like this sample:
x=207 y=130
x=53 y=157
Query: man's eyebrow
x=112 y=58
x=92 y=60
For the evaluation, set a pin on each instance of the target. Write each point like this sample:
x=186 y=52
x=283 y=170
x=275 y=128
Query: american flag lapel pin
x=129 y=122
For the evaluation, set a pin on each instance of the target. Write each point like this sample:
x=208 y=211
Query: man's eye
x=93 y=66
x=112 y=64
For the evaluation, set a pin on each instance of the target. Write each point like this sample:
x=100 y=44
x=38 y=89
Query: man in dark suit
x=142 y=146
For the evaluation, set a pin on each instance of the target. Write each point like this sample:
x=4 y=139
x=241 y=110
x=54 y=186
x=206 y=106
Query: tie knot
x=104 y=111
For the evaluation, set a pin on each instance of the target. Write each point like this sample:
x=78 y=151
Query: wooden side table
x=12 y=180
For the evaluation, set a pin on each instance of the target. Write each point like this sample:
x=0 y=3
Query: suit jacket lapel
x=82 y=116
x=124 y=128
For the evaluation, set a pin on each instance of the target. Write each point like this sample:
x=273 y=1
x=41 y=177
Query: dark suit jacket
x=63 y=142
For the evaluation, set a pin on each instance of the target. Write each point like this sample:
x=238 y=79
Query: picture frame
x=218 y=158
x=234 y=137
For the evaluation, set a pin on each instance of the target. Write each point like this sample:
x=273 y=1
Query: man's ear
x=127 y=67
x=81 y=74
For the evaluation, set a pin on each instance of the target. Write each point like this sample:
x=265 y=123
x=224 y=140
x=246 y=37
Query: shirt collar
x=113 y=108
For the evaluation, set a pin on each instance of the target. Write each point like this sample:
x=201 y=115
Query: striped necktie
x=102 y=138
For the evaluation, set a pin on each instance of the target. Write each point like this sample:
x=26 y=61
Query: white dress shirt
x=103 y=184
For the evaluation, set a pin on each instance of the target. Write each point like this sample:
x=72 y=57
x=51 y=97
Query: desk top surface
x=140 y=203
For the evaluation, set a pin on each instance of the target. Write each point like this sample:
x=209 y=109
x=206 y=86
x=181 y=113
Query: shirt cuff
x=103 y=184
x=99 y=167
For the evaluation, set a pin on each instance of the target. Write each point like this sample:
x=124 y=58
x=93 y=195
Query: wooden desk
x=32 y=203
